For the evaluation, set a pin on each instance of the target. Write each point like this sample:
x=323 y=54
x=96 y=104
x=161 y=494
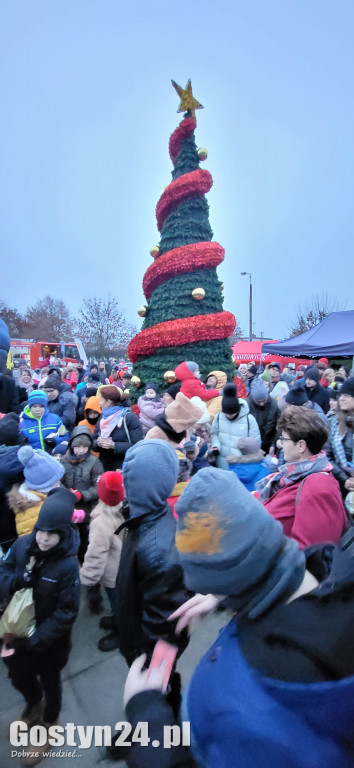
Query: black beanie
x=56 y=511
x=153 y=385
x=173 y=389
x=9 y=429
x=297 y=395
x=348 y=387
x=253 y=370
x=313 y=373
x=230 y=402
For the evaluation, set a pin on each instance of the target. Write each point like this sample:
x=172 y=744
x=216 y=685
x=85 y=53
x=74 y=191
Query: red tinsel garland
x=189 y=185
x=187 y=258
x=185 y=129
x=172 y=333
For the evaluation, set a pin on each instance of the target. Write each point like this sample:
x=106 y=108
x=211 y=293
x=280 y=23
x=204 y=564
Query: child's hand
x=190 y=613
x=139 y=680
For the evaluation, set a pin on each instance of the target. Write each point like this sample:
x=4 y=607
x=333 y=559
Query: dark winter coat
x=11 y=471
x=266 y=417
x=56 y=587
x=64 y=406
x=113 y=458
x=341 y=474
x=319 y=395
x=81 y=474
x=9 y=397
x=150 y=583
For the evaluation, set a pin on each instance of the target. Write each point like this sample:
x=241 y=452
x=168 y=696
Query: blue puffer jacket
x=240 y=717
x=36 y=430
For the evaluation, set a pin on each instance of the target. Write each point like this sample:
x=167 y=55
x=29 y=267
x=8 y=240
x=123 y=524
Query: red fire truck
x=34 y=352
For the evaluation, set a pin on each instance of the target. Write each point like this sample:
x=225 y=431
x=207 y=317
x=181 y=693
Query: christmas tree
x=183 y=316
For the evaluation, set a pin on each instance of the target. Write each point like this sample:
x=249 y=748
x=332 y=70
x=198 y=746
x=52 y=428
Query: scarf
x=111 y=418
x=291 y=473
x=337 y=445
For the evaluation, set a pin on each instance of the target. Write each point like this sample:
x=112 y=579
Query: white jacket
x=225 y=434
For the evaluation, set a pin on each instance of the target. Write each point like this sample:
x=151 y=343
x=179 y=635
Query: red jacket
x=241 y=387
x=317 y=516
x=192 y=387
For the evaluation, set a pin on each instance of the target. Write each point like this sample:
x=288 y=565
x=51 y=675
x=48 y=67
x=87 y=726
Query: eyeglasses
x=283 y=439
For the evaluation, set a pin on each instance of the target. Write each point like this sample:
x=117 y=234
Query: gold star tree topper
x=188 y=102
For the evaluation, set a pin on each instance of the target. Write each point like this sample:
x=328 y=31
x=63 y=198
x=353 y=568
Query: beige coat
x=104 y=550
x=214 y=405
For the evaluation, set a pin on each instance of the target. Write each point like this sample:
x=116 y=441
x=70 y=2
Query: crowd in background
x=130 y=499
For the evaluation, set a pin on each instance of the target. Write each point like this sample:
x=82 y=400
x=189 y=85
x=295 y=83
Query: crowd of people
x=236 y=495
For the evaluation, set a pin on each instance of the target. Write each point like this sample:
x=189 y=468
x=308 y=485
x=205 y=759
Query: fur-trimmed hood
x=21 y=498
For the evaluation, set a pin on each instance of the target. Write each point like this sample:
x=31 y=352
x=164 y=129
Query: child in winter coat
x=103 y=553
x=42 y=473
x=188 y=373
x=82 y=471
x=151 y=406
x=38 y=426
x=35 y=666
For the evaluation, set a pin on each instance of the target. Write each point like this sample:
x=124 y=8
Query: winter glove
x=215 y=451
x=78 y=516
x=23 y=580
x=77 y=494
x=95 y=599
x=50 y=442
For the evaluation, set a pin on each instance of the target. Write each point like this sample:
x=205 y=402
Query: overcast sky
x=86 y=111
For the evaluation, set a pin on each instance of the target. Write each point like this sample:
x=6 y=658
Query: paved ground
x=93 y=687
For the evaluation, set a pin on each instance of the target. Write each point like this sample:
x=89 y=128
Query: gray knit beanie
x=230 y=545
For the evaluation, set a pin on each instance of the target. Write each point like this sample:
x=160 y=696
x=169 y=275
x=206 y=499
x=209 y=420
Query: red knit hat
x=324 y=361
x=110 y=488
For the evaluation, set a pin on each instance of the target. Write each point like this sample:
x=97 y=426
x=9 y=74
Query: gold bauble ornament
x=198 y=293
x=142 y=310
x=202 y=153
x=169 y=376
x=154 y=251
x=135 y=381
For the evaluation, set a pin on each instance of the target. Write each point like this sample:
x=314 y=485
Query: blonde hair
x=113 y=513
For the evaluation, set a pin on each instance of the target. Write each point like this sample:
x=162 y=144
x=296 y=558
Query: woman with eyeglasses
x=303 y=494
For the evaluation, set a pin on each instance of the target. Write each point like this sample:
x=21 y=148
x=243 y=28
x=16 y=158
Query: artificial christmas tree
x=184 y=317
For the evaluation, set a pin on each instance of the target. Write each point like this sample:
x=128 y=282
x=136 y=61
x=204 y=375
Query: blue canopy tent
x=333 y=337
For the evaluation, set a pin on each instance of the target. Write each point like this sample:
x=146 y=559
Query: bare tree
x=49 y=319
x=14 y=321
x=102 y=323
x=313 y=313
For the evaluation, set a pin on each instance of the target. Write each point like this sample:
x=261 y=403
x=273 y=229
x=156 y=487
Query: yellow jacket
x=214 y=405
x=26 y=505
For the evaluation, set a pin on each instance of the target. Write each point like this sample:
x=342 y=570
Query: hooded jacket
x=150 y=579
x=92 y=404
x=11 y=471
x=191 y=386
x=82 y=473
x=104 y=550
x=64 y=406
x=25 y=505
x=266 y=417
x=9 y=395
x=287 y=681
x=56 y=587
x=149 y=411
x=214 y=405
x=225 y=433
x=36 y=430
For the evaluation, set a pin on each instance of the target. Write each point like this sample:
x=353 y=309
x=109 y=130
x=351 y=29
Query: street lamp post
x=250 y=301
